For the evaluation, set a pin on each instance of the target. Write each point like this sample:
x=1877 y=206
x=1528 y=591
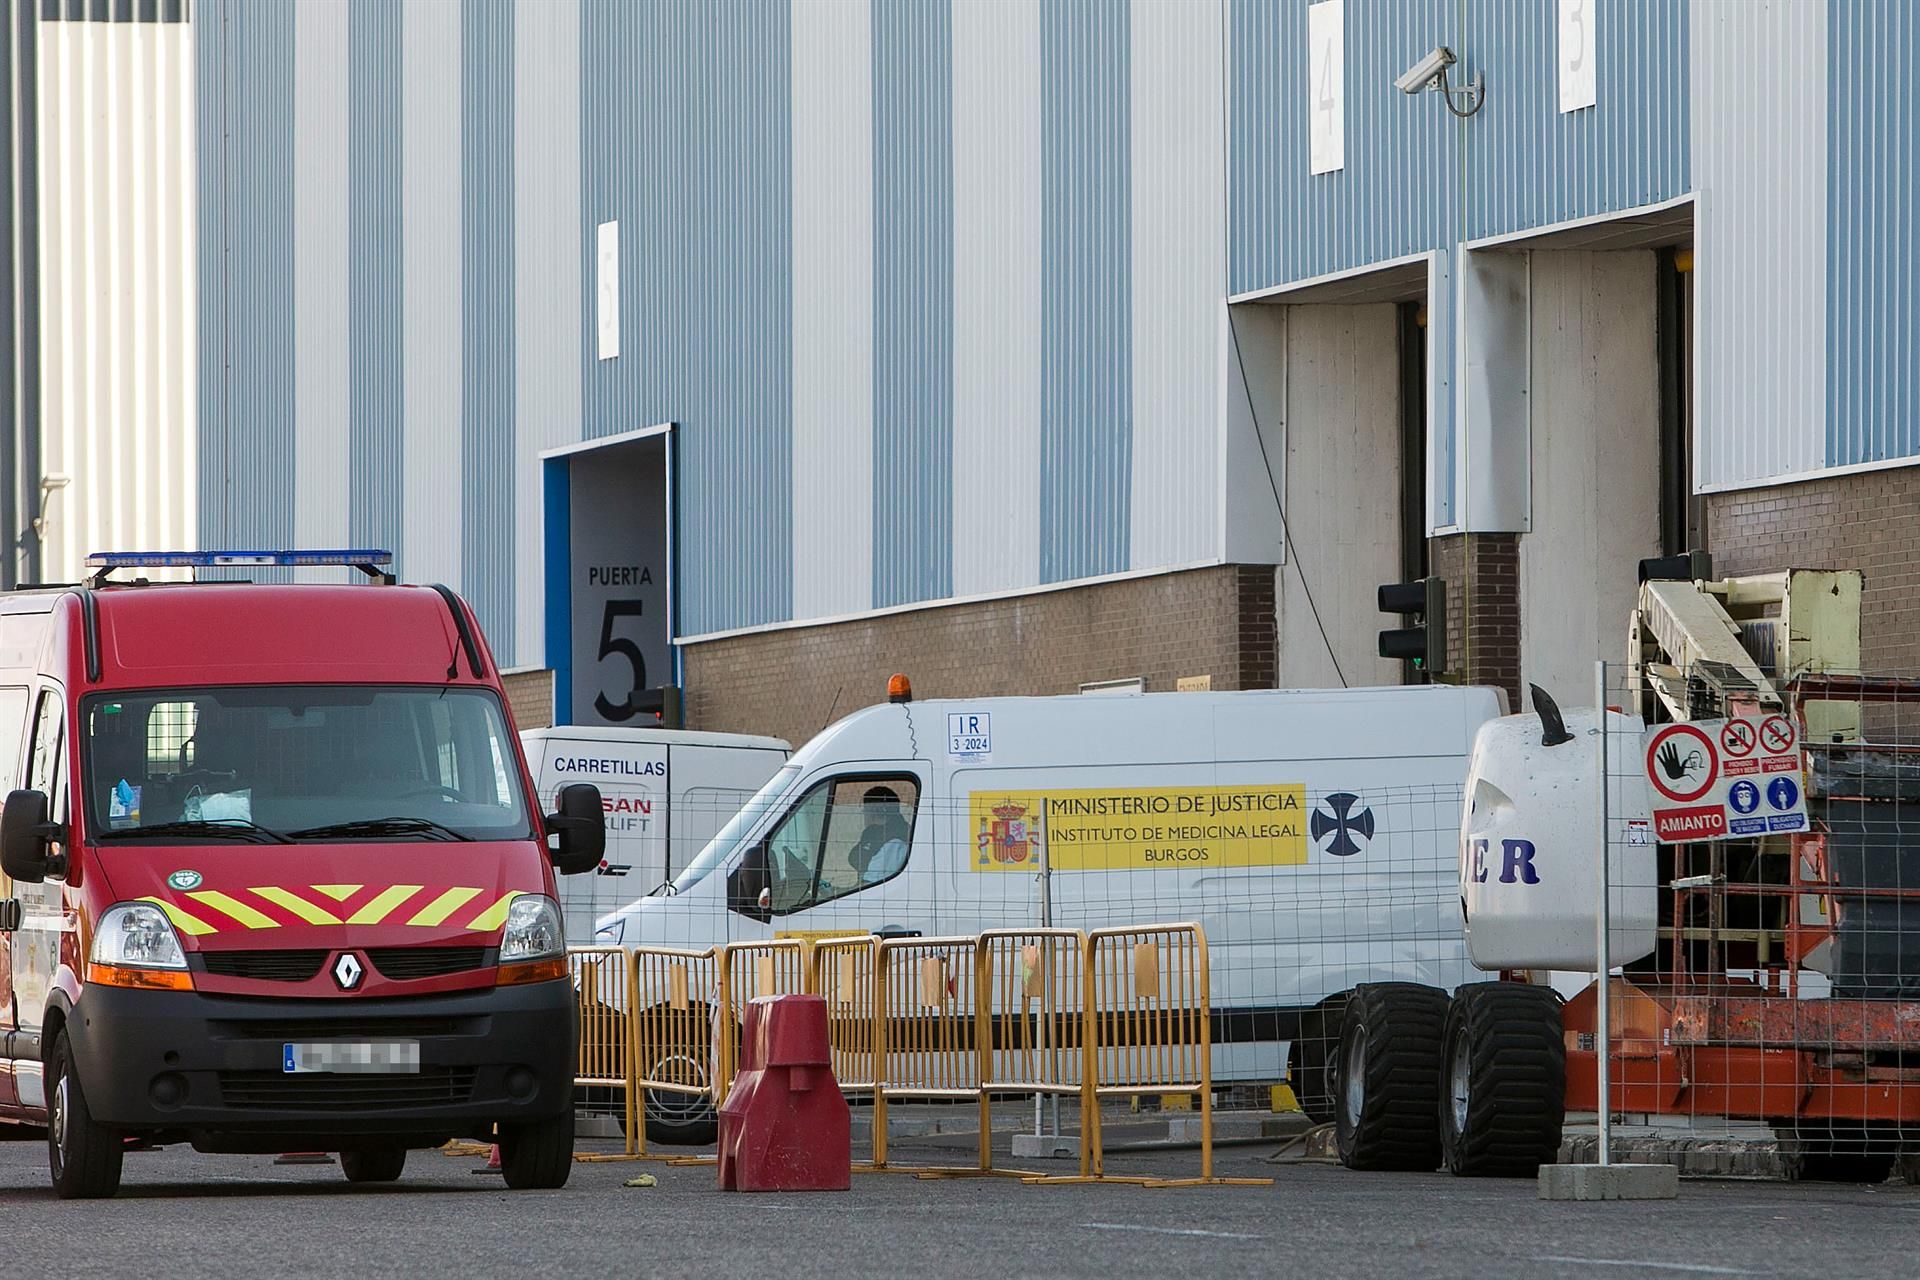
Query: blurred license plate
x=389 y=1056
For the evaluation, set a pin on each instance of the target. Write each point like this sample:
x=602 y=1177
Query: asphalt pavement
x=180 y=1213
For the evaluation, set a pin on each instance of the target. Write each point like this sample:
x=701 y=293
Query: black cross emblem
x=1342 y=823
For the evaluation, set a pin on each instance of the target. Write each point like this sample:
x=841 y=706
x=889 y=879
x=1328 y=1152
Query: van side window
x=845 y=835
x=44 y=769
x=13 y=735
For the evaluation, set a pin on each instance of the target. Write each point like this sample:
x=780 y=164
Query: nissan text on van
x=274 y=880
x=665 y=792
x=1313 y=833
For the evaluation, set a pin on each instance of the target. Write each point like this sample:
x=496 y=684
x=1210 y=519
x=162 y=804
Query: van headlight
x=611 y=934
x=136 y=935
x=534 y=930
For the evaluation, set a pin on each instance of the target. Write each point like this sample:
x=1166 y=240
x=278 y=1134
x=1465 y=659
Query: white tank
x=1528 y=881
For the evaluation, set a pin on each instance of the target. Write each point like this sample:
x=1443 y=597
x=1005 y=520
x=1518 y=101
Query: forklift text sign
x=1726 y=779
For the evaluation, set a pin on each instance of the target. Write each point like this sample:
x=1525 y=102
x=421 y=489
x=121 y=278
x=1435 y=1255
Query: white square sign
x=1327 y=86
x=969 y=735
x=1579 y=79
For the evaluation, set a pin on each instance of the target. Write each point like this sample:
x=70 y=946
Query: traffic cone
x=493 y=1160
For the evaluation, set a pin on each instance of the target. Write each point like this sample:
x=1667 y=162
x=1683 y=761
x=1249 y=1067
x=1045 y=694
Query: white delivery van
x=1314 y=834
x=665 y=792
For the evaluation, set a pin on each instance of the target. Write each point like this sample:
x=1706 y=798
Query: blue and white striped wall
x=934 y=292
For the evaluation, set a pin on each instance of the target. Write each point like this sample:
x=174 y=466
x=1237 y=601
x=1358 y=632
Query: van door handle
x=886 y=931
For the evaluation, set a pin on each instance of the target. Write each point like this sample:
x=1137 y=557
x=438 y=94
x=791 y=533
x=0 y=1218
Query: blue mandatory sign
x=1782 y=794
x=1744 y=797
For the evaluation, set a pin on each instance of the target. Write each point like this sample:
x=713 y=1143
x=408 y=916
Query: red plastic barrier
x=784 y=1125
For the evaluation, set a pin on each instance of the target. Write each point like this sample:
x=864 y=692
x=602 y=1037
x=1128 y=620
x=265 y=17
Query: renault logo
x=347 y=971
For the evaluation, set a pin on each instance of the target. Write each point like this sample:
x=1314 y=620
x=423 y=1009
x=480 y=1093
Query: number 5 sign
x=1327 y=86
x=1578 y=80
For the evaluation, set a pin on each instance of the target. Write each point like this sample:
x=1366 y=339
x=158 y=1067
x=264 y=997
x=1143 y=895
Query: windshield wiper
x=381 y=827
x=217 y=828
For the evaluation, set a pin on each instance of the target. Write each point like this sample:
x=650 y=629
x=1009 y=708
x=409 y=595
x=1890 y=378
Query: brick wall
x=1216 y=622
x=530 y=697
x=1482 y=573
x=1869 y=521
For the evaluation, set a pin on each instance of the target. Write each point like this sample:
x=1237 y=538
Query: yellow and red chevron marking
x=203 y=911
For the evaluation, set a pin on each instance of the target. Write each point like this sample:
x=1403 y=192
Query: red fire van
x=274 y=877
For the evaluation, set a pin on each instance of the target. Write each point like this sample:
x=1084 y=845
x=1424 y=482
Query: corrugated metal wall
x=1529 y=164
x=996 y=296
x=1760 y=271
x=1873 y=156
x=833 y=276
x=686 y=142
x=376 y=338
x=116 y=217
x=245 y=82
x=912 y=302
x=947 y=321
x=323 y=274
x=488 y=405
x=1086 y=371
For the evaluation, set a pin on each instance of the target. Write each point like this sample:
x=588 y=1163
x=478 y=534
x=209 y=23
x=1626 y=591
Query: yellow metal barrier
x=1148 y=1030
x=1028 y=987
x=843 y=974
x=675 y=999
x=748 y=970
x=924 y=1016
x=603 y=984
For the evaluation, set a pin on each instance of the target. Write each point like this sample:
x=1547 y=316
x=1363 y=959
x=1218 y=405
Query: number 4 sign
x=1327 y=86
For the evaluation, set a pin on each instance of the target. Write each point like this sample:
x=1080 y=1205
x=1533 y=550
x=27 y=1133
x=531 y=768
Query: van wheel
x=538 y=1156
x=1505 y=1080
x=84 y=1157
x=677 y=1119
x=1389 y=1077
x=382 y=1164
x=1313 y=1057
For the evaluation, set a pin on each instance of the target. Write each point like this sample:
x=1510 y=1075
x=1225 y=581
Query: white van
x=665 y=792
x=1313 y=833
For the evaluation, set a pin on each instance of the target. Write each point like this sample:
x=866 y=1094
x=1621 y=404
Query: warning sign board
x=1721 y=779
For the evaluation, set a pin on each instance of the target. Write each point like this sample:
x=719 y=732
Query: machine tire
x=1856 y=1153
x=380 y=1164
x=538 y=1155
x=83 y=1157
x=1388 y=1077
x=1503 y=1080
x=1312 y=1057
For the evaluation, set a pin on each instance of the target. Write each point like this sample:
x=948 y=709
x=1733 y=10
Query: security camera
x=1426 y=71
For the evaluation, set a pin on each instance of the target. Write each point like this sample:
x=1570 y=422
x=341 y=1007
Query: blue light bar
x=235 y=559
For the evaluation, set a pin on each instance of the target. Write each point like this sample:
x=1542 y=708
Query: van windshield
x=301 y=762
x=721 y=847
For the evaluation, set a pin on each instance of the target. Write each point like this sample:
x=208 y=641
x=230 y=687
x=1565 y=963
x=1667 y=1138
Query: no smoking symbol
x=1737 y=738
x=1776 y=734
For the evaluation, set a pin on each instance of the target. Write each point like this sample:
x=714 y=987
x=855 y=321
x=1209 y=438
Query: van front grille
x=348 y=1027
x=265 y=966
x=325 y=1091
x=425 y=962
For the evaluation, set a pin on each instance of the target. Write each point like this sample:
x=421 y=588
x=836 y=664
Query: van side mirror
x=25 y=837
x=750 y=888
x=579 y=829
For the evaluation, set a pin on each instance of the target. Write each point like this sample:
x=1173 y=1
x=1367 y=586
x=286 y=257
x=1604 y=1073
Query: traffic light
x=1688 y=566
x=664 y=703
x=1424 y=644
